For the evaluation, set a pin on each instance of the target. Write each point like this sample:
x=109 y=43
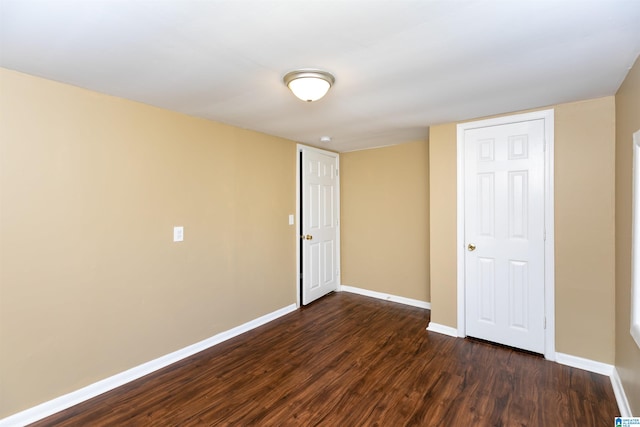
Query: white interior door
x=504 y=229
x=319 y=237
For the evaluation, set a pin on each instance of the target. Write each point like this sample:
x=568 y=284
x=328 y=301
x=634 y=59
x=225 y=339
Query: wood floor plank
x=349 y=360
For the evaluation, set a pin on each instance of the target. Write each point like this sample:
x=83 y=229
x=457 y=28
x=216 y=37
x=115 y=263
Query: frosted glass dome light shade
x=309 y=85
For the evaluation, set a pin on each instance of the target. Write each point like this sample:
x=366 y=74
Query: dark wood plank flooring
x=349 y=360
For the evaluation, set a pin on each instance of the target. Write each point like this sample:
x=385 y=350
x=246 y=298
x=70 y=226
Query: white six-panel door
x=504 y=229
x=319 y=239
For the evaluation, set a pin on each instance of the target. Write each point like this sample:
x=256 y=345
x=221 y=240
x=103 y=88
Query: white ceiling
x=400 y=66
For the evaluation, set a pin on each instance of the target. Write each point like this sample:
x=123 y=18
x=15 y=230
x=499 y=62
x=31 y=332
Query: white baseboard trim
x=61 y=403
x=585 y=364
x=621 y=396
x=386 y=297
x=442 y=329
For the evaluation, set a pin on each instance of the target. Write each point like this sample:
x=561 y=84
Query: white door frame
x=299 y=149
x=549 y=256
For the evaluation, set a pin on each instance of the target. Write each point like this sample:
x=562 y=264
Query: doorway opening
x=499 y=285
x=318 y=214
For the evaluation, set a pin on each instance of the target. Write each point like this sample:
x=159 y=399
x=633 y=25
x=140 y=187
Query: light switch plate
x=178 y=234
x=291 y=220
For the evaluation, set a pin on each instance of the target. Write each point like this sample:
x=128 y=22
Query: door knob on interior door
x=306 y=237
x=471 y=247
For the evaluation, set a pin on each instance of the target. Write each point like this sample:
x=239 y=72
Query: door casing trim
x=549 y=255
x=299 y=149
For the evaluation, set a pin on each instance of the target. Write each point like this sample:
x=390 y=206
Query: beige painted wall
x=90 y=188
x=627 y=122
x=584 y=227
x=443 y=228
x=385 y=220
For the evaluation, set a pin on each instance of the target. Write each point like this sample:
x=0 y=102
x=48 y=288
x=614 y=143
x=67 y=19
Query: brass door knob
x=471 y=247
x=306 y=237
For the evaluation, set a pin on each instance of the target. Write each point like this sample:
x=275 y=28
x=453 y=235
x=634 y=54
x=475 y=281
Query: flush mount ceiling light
x=309 y=85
